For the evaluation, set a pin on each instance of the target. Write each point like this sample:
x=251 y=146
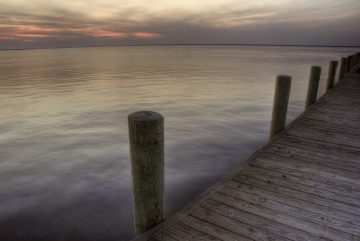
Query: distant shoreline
x=149 y=45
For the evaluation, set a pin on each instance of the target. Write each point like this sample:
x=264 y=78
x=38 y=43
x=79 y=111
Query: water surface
x=64 y=165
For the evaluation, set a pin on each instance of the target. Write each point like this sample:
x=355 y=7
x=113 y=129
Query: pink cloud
x=95 y=32
x=146 y=35
x=32 y=32
x=32 y=28
x=6 y=38
x=30 y=35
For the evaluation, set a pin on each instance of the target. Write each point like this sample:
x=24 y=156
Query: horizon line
x=144 y=45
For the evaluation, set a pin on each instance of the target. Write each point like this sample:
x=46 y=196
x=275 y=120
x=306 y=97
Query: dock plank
x=305 y=185
x=258 y=221
x=213 y=230
x=286 y=208
x=313 y=228
x=299 y=203
x=185 y=232
x=241 y=228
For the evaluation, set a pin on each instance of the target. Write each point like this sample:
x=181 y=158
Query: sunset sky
x=70 y=23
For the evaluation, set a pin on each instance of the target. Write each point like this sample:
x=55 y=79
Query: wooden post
x=348 y=66
x=281 y=100
x=331 y=74
x=342 y=68
x=354 y=60
x=146 y=135
x=313 y=86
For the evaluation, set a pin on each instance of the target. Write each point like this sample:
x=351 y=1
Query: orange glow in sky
x=28 y=32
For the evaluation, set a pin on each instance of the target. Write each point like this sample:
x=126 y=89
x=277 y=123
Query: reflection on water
x=64 y=169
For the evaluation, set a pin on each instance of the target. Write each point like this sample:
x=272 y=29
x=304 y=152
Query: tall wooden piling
x=354 y=61
x=351 y=62
x=342 y=68
x=280 y=106
x=331 y=74
x=146 y=135
x=314 y=80
x=348 y=66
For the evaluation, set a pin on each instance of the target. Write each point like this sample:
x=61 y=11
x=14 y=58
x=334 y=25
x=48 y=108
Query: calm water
x=64 y=168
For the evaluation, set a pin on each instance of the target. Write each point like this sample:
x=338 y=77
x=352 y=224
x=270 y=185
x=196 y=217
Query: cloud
x=40 y=23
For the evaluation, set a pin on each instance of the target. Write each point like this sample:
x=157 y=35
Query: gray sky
x=70 y=23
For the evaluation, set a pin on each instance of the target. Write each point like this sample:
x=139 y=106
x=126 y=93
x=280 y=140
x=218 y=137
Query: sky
x=70 y=23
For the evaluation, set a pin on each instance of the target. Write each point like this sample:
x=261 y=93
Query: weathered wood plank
x=284 y=181
x=261 y=200
x=340 y=130
x=313 y=157
x=303 y=204
x=184 y=232
x=313 y=168
x=326 y=136
x=308 y=180
x=326 y=149
x=285 y=219
x=165 y=236
x=235 y=226
x=316 y=175
x=298 y=194
x=324 y=144
x=257 y=221
x=213 y=230
x=336 y=126
x=332 y=112
x=315 y=154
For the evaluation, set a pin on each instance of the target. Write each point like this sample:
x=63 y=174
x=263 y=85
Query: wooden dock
x=303 y=185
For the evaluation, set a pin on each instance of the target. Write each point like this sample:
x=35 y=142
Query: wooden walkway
x=303 y=185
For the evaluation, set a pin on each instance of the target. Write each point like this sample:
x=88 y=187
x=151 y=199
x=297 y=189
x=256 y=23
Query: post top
x=145 y=116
